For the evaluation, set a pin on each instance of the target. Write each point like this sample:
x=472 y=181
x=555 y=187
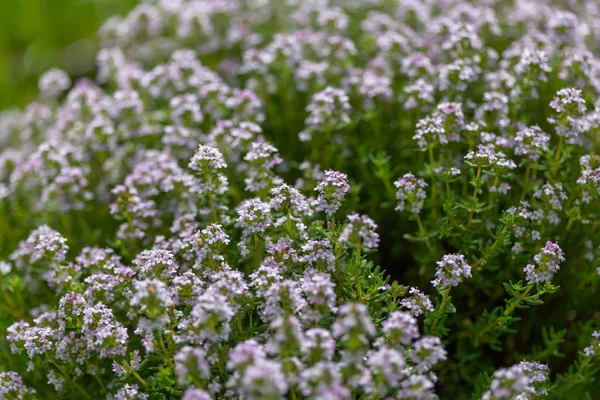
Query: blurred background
x=36 y=35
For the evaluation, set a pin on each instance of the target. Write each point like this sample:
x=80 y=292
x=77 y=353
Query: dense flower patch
x=309 y=199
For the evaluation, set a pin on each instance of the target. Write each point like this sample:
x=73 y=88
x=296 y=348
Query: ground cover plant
x=363 y=199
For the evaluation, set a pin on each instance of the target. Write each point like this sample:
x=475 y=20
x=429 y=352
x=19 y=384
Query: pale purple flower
x=318 y=253
x=196 y=394
x=389 y=364
x=417 y=387
x=262 y=379
x=353 y=321
x=318 y=345
x=482 y=157
x=547 y=263
x=427 y=352
x=551 y=194
x=286 y=199
x=417 y=303
x=332 y=190
x=400 y=328
x=53 y=82
x=569 y=101
x=207 y=160
x=209 y=243
x=531 y=142
x=130 y=392
x=208 y=320
x=538 y=374
x=191 y=364
x=320 y=294
x=43 y=243
x=324 y=381
x=360 y=230
x=328 y=111
x=282 y=299
x=451 y=270
x=508 y=383
x=410 y=194
x=254 y=215
x=156 y=263
x=12 y=387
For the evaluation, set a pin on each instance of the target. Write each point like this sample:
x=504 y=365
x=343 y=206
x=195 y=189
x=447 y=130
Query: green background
x=36 y=35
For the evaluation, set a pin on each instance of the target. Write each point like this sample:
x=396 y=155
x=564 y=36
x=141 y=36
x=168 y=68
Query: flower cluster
x=309 y=199
x=411 y=193
x=547 y=263
x=451 y=270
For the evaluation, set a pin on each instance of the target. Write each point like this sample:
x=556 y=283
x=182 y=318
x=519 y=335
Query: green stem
x=140 y=379
x=213 y=209
x=474 y=198
x=439 y=312
x=559 y=149
x=257 y=251
x=558 y=154
x=580 y=367
x=492 y=249
x=165 y=352
x=490 y=193
x=99 y=380
x=72 y=381
x=423 y=233
x=388 y=188
x=507 y=312
x=571 y=219
x=526 y=182
x=289 y=226
x=433 y=188
x=518 y=301
x=593 y=228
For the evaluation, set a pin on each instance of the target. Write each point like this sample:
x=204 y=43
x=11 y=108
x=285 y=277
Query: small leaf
x=535 y=302
x=509 y=289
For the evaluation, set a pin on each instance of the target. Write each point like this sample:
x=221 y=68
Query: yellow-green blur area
x=36 y=35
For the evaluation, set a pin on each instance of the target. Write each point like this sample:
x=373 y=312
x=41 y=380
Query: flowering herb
x=309 y=200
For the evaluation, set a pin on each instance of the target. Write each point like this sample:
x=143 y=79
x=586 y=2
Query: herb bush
x=364 y=199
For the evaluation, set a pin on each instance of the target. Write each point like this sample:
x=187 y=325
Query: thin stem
x=559 y=149
x=571 y=219
x=439 y=312
x=490 y=193
x=593 y=228
x=289 y=226
x=72 y=381
x=526 y=182
x=257 y=251
x=213 y=209
x=358 y=254
x=388 y=188
x=433 y=188
x=423 y=233
x=99 y=380
x=557 y=158
x=507 y=312
x=140 y=379
x=518 y=301
x=492 y=249
x=580 y=367
x=165 y=352
x=474 y=198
